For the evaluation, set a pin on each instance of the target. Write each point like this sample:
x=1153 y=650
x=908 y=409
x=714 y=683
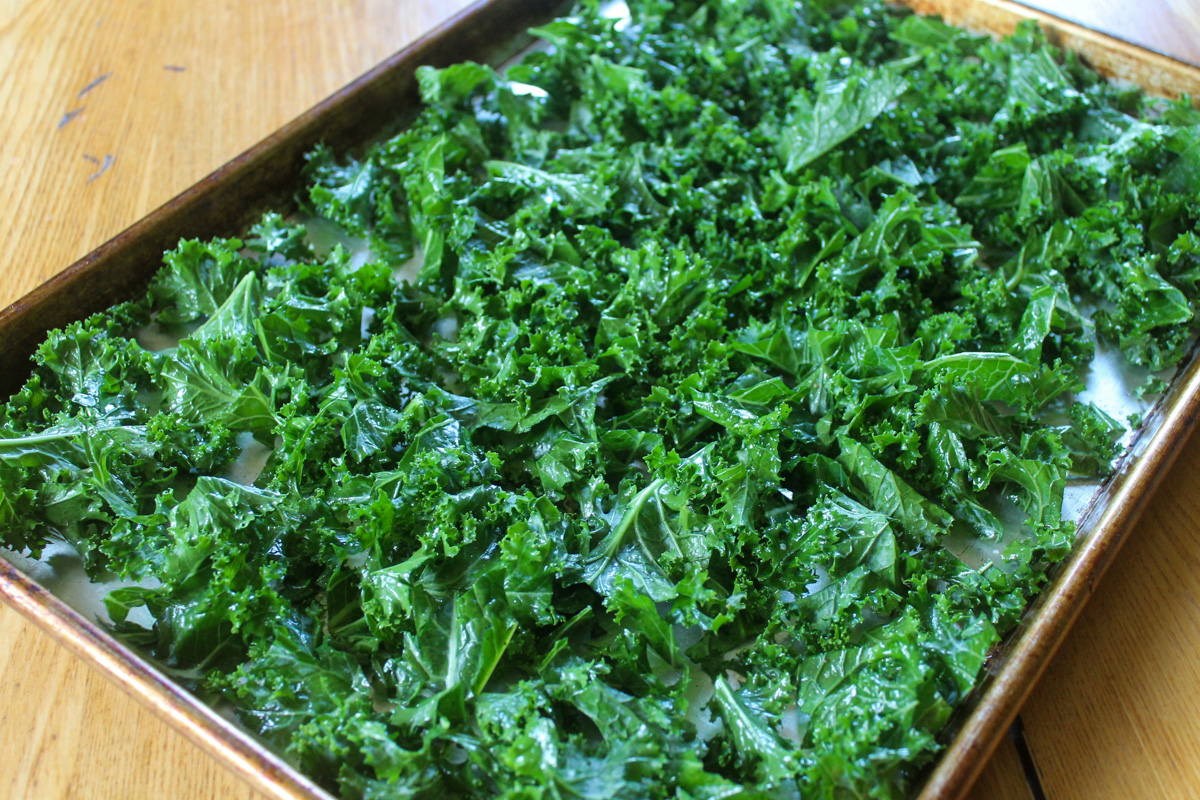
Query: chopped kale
x=635 y=455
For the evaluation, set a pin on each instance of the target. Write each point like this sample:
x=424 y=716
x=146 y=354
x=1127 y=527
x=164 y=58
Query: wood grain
x=1003 y=778
x=189 y=86
x=244 y=70
x=1115 y=714
x=66 y=732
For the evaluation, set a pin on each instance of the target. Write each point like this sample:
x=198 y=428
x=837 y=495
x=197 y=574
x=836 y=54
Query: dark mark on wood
x=91 y=158
x=94 y=84
x=108 y=162
x=70 y=115
x=1017 y=734
x=173 y=68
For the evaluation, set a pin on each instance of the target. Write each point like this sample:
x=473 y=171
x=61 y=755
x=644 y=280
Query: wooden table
x=111 y=107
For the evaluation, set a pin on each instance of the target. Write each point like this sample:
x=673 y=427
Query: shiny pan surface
x=267 y=176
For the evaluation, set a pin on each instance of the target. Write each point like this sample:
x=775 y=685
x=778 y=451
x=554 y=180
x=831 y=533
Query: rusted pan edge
x=1101 y=534
x=1114 y=58
x=265 y=177
x=213 y=733
x=1012 y=675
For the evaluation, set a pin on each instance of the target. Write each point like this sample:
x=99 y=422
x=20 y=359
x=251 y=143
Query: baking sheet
x=1111 y=388
x=1111 y=384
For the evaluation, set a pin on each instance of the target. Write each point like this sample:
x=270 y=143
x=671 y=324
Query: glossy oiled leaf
x=842 y=107
x=684 y=413
x=651 y=533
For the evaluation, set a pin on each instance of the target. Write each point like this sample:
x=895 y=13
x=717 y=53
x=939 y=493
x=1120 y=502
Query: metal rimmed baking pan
x=268 y=176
